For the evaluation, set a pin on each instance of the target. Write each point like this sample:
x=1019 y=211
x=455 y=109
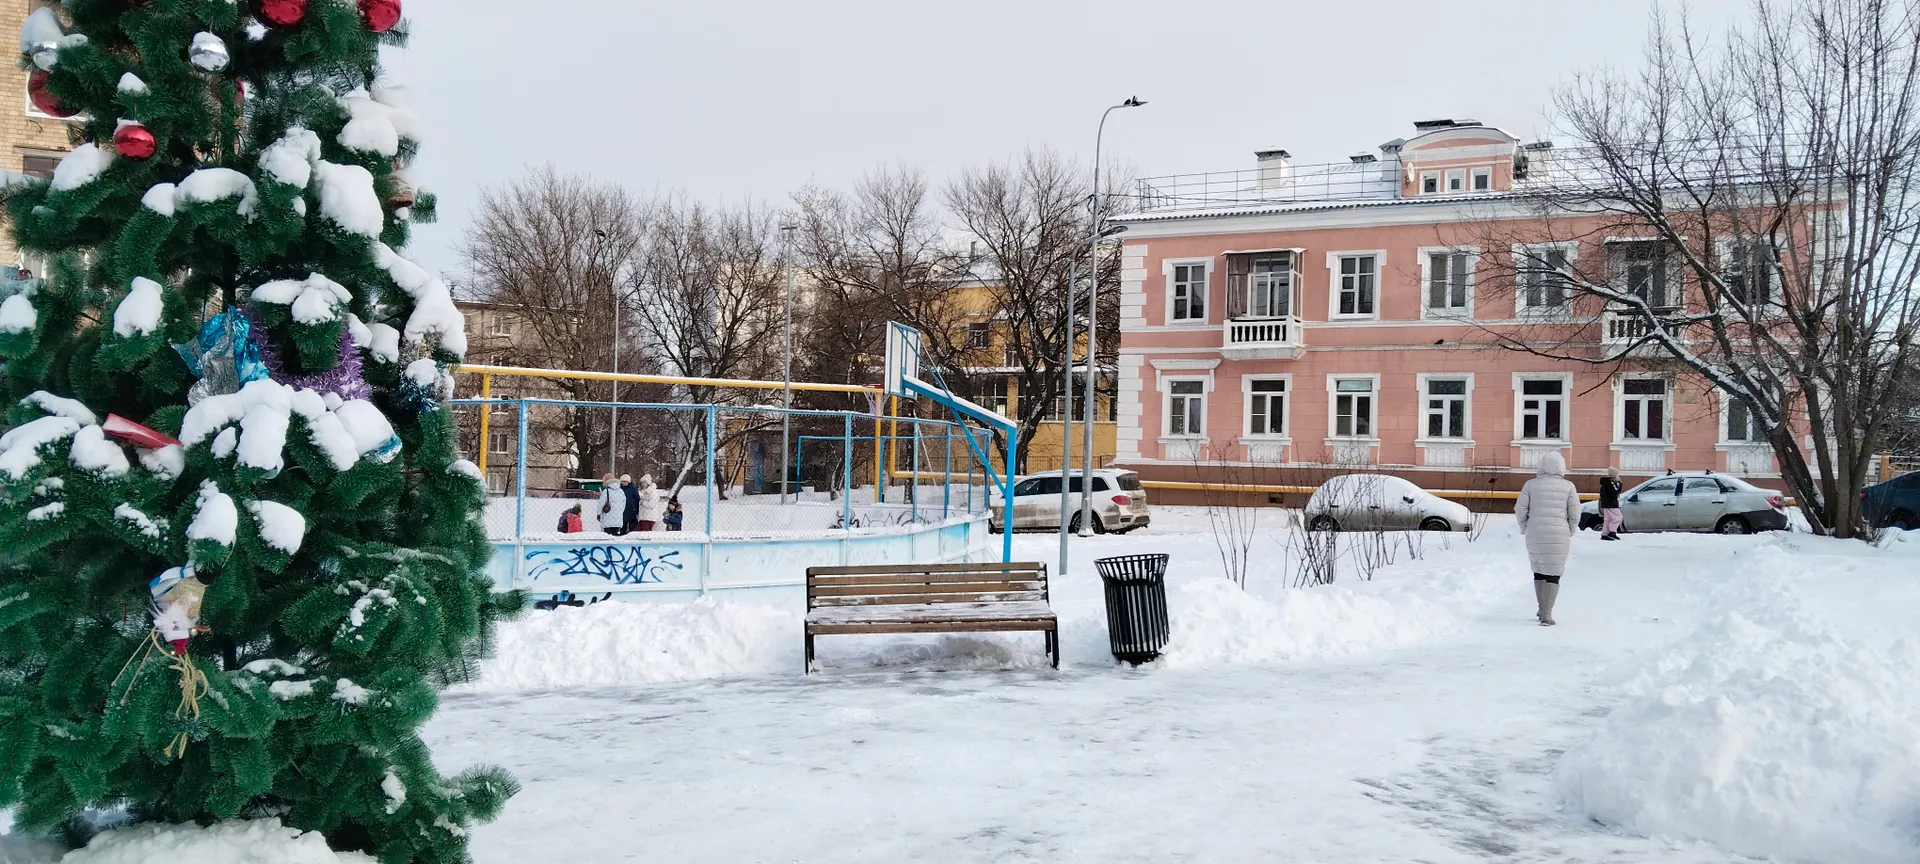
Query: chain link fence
x=724 y=471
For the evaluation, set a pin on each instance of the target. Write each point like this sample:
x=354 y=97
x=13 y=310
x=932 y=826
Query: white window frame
x=1333 y=408
x=1334 y=287
x=1439 y=186
x=1617 y=278
x=1521 y=253
x=1456 y=175
x=1473 y=180
x=984 y=327
x=505 y=438
x=1727 y=403
x=1620 y=438
x=495 y=328
x=1426 y=275
x=496 y=488
x=1466 y=420
x=1166 y=405
x=1775 y=282
x=1206 y=289
x=1566 y=408
x=1285 y=435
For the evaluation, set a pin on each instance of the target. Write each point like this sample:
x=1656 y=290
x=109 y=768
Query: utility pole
x=1093 y=327
x=786 y=379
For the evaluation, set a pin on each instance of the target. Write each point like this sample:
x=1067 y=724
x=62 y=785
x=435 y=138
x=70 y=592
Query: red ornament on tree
x=280 y=13
x=134 y=141
x=46 y=102
x=135 y=434
x=380 y=15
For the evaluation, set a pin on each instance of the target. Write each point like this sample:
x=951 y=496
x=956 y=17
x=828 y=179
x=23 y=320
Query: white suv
x=1119 y=504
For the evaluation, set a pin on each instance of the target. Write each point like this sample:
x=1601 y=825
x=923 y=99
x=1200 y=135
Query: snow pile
x=262 y=841
x=93 y=452
x=20 y=447
x=290 y=159
x=1767 y=732
x=281 y=527
x=83 y=165
x=1213 y=621
x=378 y=123
x=61 y=406
x=343 y=430
x=17 y=315
x=215 y=518
x=433 y=309
x=313 y=300
x=348 y=200
x=131 y=85
x=1899 y=540
x=208 y=185
x=161 y=198
x=615 y=643
x=140 y=521
x=139 y=313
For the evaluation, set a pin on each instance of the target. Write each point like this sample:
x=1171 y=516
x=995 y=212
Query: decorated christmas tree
x=238 y=552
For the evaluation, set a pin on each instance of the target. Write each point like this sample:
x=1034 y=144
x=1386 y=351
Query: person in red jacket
x=570 y=521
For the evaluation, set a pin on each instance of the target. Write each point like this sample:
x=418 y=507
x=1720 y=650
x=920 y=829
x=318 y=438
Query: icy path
x=1439 y=751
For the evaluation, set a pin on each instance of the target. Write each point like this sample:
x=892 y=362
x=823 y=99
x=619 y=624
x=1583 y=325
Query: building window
x=1482 y=179
x=1742 y=424
x=1267 y=406
x=1456 y=179
x=1643 y=272
x=992 y=390
x=498 y=442
x=1449 y=275
x=497 y=482
x=1643 y=409
x=1353 y=408
x=34 y=165
x=1189 y=290
x=1270 y=293
x=1359 y=282
x=979 y=334
x=1748 y=269
x=1543 y=409
x=1186 y=408
x=1430 y=183
x=503 y=325
x=1446 y=408
x=1543 y=283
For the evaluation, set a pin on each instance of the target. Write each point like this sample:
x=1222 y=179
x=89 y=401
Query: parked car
x=1893 y=503
x=1119 y=503
x=1381 y=502
x=1696 y=501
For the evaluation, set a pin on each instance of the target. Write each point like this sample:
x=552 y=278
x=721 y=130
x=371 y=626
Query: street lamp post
x=1093 y=328
x=786 y=380
x=1066 y=402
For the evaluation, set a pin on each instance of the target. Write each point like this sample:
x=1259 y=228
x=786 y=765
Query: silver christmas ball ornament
x=46 y=55
x=209 y=53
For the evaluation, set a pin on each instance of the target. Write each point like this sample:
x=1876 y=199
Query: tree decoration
x=208 y=53
x=134 y=141
x=40 y=38
x=280 y=14
x=45 y=101
x=380 y=15
x=189 y=400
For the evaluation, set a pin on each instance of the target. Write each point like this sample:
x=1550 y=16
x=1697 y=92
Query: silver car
x=1119 y=504
x=1695 y=501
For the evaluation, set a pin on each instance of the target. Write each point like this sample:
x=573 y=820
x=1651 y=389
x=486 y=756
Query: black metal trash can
x=1136 y=587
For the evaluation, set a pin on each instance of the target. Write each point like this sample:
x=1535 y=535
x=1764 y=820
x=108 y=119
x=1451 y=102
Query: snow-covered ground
x=1703 y=699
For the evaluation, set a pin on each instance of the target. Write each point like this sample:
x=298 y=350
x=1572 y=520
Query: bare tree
x=1769 y=181
x=558 y=249
x=1029 y=217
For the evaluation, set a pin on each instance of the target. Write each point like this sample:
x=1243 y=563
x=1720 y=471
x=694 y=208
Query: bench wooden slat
x=1029 y=610
x=912 y=599
x=932 y=627
x=924 y=588
x=995 y=575
x=901 y=569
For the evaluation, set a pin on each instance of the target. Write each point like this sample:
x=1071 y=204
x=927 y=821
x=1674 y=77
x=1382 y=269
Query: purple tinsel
x=345 y=378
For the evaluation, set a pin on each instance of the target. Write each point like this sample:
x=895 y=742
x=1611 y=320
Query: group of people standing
x=1548 y=512
x=624 y=506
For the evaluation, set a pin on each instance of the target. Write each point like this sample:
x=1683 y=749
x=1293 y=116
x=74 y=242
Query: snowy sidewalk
x=1441 y=750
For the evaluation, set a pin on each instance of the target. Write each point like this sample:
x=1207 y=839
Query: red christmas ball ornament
x=46 y=102
x=280 y=13
x=134 y=141
x=380 y=15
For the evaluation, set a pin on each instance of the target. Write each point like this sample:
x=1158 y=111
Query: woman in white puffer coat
x=1549 y=513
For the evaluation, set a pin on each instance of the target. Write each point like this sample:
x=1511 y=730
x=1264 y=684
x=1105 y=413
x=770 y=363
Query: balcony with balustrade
x=1627 y=331
x=1263 y=305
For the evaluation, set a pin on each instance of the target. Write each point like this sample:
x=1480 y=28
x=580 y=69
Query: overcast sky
x=726 y=100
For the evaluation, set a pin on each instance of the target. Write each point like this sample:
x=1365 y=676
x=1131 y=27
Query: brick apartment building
x=31 y=142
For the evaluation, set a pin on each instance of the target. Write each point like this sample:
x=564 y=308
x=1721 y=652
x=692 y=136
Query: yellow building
x=31 y=142
x=994 y=366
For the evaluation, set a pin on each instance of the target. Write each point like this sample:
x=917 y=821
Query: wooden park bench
x=930 y=598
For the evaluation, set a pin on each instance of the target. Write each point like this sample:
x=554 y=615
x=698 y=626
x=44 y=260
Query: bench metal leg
x=1053 y=646
x=808 y=668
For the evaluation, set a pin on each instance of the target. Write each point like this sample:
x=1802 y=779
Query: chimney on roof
x=1430 y=125
x=1276 y=167
x=1460 y=123
x=1533 y=161
x=1363 y=158
x=1392 y=148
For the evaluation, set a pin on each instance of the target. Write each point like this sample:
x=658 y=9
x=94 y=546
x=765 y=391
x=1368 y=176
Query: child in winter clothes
x=1610 y=487
x=675 y=515
x=570 y=521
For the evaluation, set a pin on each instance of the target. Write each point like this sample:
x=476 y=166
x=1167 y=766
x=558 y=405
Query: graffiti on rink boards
x=621 y=565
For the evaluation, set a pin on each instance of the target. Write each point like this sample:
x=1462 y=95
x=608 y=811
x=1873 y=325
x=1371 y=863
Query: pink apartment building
x=1351 y=315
